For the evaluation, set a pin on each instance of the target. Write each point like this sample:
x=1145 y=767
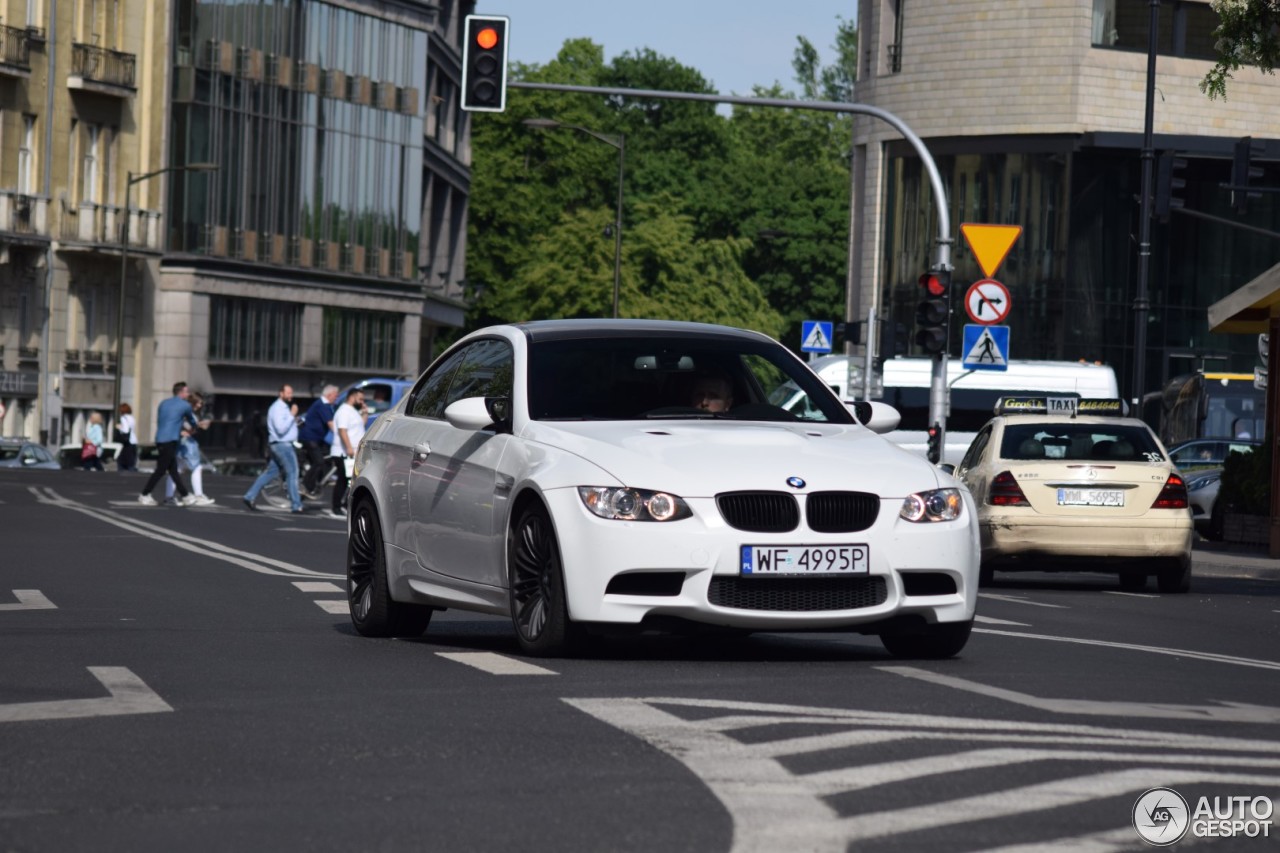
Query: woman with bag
x=91 y=450
x=126 y=434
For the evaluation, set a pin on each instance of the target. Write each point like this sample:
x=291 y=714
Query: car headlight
x=935 y=505
x=625 y=504
x=1202 y=482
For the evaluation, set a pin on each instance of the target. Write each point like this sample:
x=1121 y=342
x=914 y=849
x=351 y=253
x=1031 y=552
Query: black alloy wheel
x=539 y=611
x=373 y=612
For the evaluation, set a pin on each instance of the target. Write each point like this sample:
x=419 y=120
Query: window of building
x=89 y=176
x=1185 y=28
x=365 y=339
x=254 y=330
x=26 y=156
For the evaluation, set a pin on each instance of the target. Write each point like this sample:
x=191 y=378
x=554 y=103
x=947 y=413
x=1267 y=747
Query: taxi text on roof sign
x=990 y=243
x=1060 y=405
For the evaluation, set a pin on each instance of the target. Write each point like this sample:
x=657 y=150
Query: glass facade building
x=312 y=113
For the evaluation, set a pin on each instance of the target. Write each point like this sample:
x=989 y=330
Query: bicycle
x=276 y=494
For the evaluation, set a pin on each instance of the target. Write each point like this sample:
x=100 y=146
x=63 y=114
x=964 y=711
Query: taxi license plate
x=1090 y=497
x=770 y=560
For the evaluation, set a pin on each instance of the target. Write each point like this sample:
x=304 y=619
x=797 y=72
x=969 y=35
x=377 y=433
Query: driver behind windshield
x=712 y=392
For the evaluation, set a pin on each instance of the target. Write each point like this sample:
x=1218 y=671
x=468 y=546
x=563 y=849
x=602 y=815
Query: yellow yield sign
x=990 y=244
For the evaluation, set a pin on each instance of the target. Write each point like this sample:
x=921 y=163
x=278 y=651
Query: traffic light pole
x=1141 y=301
x=942 y=247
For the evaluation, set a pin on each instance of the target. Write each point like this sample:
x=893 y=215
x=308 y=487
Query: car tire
x=986 y=575
x=1175 y=577
x=1133 y=581
x=535 y=587
x=1213 y=530
x=373 y=612
x=929 y=642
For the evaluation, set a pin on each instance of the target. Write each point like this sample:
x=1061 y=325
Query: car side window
x=974 y=453
x=486 y=371
x=429 y=396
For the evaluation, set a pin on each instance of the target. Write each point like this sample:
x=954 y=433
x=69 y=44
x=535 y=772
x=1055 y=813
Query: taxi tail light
x=1173 y=495
x=1005 y=491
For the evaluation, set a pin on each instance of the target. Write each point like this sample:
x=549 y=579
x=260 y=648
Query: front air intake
x=796 y=595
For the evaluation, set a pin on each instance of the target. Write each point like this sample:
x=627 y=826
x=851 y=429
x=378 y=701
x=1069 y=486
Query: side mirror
x=477 y=413
x=948 y=467
x=877 y=417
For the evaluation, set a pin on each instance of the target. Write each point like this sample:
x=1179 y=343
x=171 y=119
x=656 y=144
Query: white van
x=973 y=393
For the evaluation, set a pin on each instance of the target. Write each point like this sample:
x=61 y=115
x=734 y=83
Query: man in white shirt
x=282 y=432
x=348 y=429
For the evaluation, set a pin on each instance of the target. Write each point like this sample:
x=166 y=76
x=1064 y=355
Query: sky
x=734 y=44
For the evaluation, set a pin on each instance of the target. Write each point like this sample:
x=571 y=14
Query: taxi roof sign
x=1070 y=406
x=990 y=243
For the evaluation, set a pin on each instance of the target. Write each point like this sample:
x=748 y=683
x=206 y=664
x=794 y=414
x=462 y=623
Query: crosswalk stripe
x=991 y=620
x=335 y=607
x=29 y=599
x=317 y=586
x=495 y=664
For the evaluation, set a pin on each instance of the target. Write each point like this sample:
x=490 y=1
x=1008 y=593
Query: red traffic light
x=487 y=38
x=934 y=284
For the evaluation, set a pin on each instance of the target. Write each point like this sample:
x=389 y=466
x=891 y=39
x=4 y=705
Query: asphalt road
x=188 y=679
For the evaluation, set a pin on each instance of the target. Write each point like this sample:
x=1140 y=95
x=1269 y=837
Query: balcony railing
x=24 y=214
x=103 y=66
x=15 y=47
x=100 y=223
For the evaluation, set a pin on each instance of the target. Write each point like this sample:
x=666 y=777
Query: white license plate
x=1090 y=497
x=805 y=560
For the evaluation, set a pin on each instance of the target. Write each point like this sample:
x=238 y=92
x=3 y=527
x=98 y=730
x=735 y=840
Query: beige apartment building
x=1034 y=112
x=295 y=180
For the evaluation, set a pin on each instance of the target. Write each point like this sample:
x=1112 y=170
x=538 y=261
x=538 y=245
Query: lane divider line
x=29 y=599
x=991 y=620
x=495 y=664
x=1016 y=600
x=1158 y=650
x=317 y=586
x=338 y=607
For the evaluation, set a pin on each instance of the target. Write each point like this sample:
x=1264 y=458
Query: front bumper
x=594 y=551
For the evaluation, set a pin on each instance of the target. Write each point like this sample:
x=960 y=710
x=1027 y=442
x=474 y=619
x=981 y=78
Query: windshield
x=682 y=377
x=1080 y=442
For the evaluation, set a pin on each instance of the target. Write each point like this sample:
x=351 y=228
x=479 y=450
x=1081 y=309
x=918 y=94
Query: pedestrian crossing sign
x=815 y=336
x=986 y=347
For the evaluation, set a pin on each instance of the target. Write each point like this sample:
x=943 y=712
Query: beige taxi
x=1063 y=483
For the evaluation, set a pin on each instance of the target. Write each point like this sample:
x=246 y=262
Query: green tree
x=835 y=82
x=1249 y=34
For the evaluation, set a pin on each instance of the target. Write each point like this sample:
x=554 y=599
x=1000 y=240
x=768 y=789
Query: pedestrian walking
x=189 y=457
x=127 y=435
x=170 y=417
x=348 y=429
x=282 y=432
x=315 y=435
x=91 y=449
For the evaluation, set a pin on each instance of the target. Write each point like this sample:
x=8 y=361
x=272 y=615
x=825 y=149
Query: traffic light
x=1169 y=184
x=1243 y=173
x=892 y=343
x=484 y=64
x=935 y=443
x=933 y=311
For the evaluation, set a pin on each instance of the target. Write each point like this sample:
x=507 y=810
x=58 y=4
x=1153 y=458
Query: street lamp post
x=619 y=142
x=130 y=180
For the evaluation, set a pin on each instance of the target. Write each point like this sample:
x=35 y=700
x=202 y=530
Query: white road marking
x=334 y=607
x=1130 y=594
x=1225 y=712
x=1158 y=650
x=129 y=695
x=773 y=808
x=496 y=664
x=1016 y=600
x=29 y=599
x=991 y=620
x=205 y=547
x=318 y=586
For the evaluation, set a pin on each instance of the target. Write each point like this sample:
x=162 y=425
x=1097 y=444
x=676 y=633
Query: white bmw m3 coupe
x=584 y=474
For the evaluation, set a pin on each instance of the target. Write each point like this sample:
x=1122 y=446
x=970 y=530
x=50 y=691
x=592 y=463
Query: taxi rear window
x=1079 y=442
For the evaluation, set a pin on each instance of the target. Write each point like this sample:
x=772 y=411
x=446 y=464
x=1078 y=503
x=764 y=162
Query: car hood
x=703 y=458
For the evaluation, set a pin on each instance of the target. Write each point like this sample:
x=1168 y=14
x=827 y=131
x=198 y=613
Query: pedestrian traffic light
x=933 y=311
x=935 y=443
x=1243 y=172
x=1169 y=184
x=484 y=64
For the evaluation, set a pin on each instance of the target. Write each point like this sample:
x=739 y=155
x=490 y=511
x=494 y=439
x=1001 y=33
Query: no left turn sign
x=987 y=302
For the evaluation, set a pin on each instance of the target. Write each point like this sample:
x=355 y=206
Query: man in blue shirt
x=170 y=416
x=282 y=432
x=317 y=423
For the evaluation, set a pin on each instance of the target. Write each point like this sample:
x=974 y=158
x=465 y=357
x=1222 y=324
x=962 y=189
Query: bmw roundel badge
x=795 y=482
